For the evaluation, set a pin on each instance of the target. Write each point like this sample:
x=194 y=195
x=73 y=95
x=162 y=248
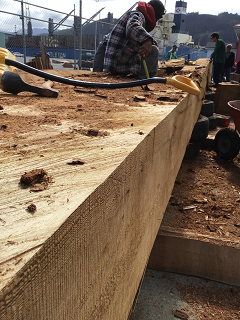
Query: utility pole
x=96 y=29
x=80 y=36
x=23 y=32
x=74 y=41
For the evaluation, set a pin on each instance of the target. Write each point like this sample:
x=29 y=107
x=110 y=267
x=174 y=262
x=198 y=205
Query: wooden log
x=84 y=258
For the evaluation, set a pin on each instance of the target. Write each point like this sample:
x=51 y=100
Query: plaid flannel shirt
x=123 y=44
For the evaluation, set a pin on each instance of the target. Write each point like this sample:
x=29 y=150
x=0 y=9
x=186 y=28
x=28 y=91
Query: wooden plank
x=84 y=254
x=173 y=62
x=194 y=254
x=202 y=62
x=45 y=57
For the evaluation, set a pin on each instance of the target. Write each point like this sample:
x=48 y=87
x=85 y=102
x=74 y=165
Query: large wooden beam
x=90 y=253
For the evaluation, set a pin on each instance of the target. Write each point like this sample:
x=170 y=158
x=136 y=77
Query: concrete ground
x=159 y=297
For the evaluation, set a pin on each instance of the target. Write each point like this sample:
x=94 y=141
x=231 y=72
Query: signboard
x=180 y=10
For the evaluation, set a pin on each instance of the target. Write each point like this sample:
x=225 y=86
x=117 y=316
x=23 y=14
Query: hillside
x=202 y=25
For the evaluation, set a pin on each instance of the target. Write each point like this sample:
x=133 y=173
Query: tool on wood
x=179 y=82
x=145 y=66
x=12 y=83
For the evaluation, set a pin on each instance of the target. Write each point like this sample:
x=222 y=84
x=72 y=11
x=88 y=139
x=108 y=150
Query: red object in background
x=227 y=122
x=234 y=67
x=238 y=50
x=237 y=31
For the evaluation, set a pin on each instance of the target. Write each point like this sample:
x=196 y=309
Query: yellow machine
x=6 y=54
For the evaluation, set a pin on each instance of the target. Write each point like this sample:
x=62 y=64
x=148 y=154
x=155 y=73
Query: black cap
x=158 y=8
x=174 y=46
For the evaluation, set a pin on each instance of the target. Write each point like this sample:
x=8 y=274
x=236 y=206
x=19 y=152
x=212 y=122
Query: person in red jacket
x=130 y=41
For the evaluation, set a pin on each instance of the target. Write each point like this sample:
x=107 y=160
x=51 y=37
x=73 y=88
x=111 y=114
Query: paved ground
x=160 y=297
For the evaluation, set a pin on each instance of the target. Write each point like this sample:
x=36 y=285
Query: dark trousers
x=99 y=57
x=218 y=72
x=151 y=61
x=226 y=72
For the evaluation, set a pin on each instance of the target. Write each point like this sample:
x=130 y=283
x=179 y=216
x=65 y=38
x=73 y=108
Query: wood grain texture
x=194 y=254
x=94 y=248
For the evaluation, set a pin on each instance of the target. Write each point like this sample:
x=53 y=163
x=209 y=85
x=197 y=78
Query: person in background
x=218 y=56
x=171 y=54
x=229 y=62
x=122 y=50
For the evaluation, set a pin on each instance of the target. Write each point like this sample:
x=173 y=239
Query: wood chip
x=167 y=98
x=237 y=224
x=10 y=242
x=200 y=200
x=32 y=207
x=92 y=132
x=39 y=187
x=189 y=207
x=33 y=176
x=76 y=162
x=82 y=90
x=139 y=98
x=212 y=227
x=101 y=95
x=181 y=314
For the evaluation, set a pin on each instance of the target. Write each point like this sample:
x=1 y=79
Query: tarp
x=237 y=31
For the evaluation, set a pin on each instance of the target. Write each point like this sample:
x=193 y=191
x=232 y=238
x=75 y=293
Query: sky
x=90 y=7
x=118 y=7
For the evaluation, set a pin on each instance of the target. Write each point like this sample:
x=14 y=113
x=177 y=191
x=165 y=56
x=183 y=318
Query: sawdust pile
x=206 y=196
x=36 y=179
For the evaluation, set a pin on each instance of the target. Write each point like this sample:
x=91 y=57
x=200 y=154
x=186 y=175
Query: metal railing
x=23 y=25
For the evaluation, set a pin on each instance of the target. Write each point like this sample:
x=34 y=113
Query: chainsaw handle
x=184 y=84
x=4 y=53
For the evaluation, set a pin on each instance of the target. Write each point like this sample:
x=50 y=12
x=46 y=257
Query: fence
x=24 y=25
